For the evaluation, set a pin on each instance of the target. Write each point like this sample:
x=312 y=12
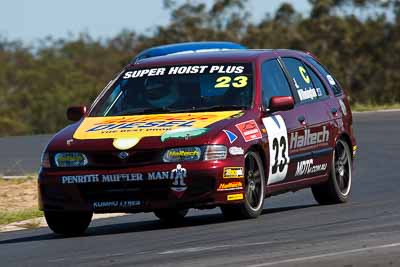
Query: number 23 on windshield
x=226 y=82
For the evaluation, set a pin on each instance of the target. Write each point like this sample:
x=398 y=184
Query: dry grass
x=18 y=200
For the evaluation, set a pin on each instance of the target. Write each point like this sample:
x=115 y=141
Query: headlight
x=45 y=161
x=215 y=152
x=70 y=159
x=182 y=154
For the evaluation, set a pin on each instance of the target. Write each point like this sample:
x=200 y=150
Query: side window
x=318 y=84
x=337 y=90
x=303 y=80
x=274 y=82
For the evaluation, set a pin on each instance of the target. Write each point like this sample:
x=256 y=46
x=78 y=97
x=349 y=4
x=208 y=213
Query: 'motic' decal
x=145 y=125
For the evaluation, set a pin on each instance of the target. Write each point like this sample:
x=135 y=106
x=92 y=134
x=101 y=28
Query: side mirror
x=281 y=103
x=76 y=113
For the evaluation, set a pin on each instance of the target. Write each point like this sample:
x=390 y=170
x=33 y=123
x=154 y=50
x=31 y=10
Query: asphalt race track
x=293 y=230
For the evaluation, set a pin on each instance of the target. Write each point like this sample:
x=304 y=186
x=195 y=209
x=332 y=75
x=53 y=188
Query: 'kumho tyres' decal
x=140 y=126
x=278 y=148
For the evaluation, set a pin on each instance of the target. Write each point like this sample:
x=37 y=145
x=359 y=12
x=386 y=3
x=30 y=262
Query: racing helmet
x=161 y=92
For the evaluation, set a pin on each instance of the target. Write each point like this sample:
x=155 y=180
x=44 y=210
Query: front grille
x=135 y=158
x=110 y=159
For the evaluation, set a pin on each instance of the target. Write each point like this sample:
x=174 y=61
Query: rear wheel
x=254 y=191
x=68 y=223
x=337 y=189
x=171 y=216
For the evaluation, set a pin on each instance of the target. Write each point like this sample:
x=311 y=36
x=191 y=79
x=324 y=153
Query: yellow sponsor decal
x=183 y=153
x=304 y=74
x=233 y=172
x=140 y=126
x=234 y=197
x=230 y=186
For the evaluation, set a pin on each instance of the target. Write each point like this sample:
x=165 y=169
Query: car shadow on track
x=131 y=227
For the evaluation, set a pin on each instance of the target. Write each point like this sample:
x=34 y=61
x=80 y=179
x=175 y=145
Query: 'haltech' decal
x=309 y=138
x=145 y=125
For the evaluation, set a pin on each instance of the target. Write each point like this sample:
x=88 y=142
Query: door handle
x=301 y=119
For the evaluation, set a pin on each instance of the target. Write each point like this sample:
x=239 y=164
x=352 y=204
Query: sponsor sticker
x=234 y=197
x=116 y=204
x=309 y=138
x=230 y=186
x=233 y=172
x=178 y=176
x=184 y=70
x=304 y=74
x=235 y=150
x=139 y=126
x=183 y=133
x=231 y=136
x=249 y=130
x=330 y=80
x=343 y=107
x=305 y=94
x=307 y=167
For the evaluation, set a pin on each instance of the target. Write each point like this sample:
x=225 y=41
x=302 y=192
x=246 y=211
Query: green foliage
x=7 y=217
x=354 y=38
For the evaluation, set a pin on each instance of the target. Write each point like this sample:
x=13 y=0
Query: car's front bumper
x=140 y=189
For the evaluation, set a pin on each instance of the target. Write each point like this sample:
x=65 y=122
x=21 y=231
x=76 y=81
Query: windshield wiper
x=218 y=107
x=141 y=111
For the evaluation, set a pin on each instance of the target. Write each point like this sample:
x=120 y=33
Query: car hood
x=144 y=131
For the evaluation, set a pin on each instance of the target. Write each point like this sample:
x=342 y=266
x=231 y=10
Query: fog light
x=70 y=159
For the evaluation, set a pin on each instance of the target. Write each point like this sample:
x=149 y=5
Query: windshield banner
x=139 y=126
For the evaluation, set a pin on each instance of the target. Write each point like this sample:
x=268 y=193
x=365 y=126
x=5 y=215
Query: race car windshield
x=183 y=88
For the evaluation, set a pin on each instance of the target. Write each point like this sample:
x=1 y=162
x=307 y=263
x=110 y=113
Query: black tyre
x=171 y=216
x=254 y=191
x=68 y=223
x=337 y=189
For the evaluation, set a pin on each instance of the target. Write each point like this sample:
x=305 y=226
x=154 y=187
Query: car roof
x=185 y=47
x=227 y=56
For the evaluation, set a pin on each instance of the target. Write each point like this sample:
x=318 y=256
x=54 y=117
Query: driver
x=161 y=92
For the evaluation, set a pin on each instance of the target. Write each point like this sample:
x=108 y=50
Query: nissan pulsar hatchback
x=202 y=130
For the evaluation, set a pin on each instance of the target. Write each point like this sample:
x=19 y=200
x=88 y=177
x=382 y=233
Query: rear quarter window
x=337 y=90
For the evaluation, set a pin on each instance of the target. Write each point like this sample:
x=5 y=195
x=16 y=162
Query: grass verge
x=7 y=217
x=373 y=107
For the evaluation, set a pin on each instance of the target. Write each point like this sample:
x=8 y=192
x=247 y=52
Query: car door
x=280 y=125
x=311 y=145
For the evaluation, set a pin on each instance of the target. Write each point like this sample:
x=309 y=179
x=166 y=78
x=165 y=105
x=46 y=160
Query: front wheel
x=337 y=189
x=68 y=223
x=254 y=191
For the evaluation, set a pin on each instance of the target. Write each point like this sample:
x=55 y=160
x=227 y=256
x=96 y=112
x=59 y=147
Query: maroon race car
x=201 y=130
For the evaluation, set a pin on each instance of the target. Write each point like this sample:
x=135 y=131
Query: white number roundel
x=278 y=148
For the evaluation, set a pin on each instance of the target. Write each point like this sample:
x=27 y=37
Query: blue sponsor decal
x=231 y=136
